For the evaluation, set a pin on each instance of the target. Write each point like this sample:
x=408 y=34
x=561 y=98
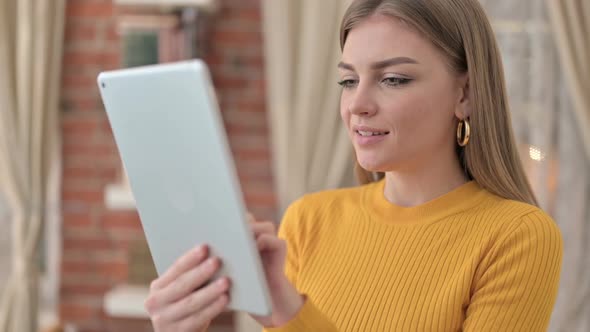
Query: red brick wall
x=96 y=240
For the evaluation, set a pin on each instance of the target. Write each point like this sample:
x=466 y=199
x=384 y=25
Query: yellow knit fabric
x=468 y=260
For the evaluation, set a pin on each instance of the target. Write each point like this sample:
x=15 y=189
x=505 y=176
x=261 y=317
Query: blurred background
x=72 y=253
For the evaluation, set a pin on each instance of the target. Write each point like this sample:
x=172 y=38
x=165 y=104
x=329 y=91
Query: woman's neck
x=421 y=185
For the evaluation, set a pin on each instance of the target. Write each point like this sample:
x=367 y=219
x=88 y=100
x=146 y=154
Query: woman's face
x=399 y=97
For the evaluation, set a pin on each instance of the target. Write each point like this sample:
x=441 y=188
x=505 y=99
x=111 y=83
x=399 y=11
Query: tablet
x=168 y=130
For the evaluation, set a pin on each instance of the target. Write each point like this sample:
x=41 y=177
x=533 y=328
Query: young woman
x=444 y=235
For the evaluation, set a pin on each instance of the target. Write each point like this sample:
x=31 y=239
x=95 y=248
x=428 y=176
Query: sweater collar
x=453 y=202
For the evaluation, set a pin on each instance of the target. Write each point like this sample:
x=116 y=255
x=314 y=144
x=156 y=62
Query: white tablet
x=169 y=133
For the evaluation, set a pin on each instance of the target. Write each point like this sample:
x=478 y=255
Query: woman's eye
x=348 y=83
x=396 y=81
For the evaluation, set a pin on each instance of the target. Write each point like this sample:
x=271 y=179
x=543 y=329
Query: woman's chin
x=373 y=165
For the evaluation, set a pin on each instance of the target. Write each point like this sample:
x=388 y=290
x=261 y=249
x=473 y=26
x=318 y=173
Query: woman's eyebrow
x=345 y=66
x=393 y=62
x=381 y=64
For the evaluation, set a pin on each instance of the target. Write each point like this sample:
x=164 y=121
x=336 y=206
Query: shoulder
x=501 y=224
x=328 y=200
x=535 y=228
x=508 y=208
x=319 y=208
x=521 y=227
x=509 y=214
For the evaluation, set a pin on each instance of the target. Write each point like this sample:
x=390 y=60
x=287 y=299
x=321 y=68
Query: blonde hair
x=461 y=30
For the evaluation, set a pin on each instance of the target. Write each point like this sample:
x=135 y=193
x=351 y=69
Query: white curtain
x=571 y=28
x=570 y=23
x=31 y=38
x=552 y=132
x=309 y=144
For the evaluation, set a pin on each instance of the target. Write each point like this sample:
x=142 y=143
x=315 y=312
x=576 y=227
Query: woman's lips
x=369 y=137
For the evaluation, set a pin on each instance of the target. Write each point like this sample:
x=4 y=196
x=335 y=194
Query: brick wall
x=96 y=241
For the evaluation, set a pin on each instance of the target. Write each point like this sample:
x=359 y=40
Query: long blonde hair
x=461 y=30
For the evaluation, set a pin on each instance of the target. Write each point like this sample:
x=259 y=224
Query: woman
x=450 y=237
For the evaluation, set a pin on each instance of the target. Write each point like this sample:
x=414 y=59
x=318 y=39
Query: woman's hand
x=286 y=300
x=181 y=300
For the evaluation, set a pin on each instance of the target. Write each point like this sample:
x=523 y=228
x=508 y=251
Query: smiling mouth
x=371 y=133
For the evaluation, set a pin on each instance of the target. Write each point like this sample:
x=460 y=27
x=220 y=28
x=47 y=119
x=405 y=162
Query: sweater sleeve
x=309 y=317
x=516 y=285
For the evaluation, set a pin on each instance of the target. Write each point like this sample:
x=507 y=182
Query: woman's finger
x=184 y=263
x=196 y=301
x=262 y=227
x=268 y=242
x=194 y=322
x=189 y=281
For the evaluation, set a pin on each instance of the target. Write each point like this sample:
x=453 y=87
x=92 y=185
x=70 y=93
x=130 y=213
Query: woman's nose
x=362 y=104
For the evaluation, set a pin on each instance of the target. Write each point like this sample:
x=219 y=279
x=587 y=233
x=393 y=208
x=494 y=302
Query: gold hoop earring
x=463 y=140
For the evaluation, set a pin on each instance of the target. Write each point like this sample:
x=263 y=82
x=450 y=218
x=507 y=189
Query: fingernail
x=212 y=261
x=222 y=282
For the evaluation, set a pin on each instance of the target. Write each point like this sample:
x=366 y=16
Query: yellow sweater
x=466 y=261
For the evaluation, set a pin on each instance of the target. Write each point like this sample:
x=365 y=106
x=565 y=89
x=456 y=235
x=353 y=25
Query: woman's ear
x=463 y=108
